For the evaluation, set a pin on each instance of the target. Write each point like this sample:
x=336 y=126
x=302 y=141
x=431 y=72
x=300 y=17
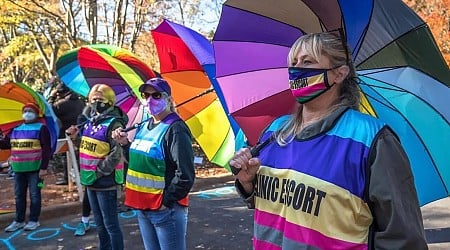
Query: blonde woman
x=101 y=165
x=330 y=177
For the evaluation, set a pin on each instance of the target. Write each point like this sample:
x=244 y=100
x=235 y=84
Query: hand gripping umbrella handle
x=134 y=126
x=79 y=126
x=254 y=151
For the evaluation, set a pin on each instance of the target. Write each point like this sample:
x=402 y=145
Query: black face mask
x=100 y=107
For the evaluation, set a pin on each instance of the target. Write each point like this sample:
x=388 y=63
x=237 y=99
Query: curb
x=73 y=208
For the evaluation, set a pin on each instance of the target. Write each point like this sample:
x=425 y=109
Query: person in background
x=67 y=106
x=49 y=86
x=84 y=224
x=31 y=151
x=101 y=163
x=86 y=209
x=330 y=177
x=160 y=171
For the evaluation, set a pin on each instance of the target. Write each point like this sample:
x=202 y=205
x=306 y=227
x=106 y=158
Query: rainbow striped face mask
x=308 y=83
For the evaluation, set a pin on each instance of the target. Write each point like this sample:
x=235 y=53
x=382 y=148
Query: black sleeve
x=5 y=142
x=249 y=199
x=84 y=116
x=179 y=155
x=56 y=106
x=126 y=151
x=46 y=145
x=393 y=198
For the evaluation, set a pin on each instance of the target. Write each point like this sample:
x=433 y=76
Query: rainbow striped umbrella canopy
x=123 y=71
x=13 y=96
x=404 y=79
x=187 y=63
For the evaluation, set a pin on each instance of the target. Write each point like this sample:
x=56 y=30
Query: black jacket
x=67 y=109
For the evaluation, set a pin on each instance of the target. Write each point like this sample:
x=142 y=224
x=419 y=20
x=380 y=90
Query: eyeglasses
x=154 y=95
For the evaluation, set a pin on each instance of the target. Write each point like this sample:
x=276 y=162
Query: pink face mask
x=156 y=106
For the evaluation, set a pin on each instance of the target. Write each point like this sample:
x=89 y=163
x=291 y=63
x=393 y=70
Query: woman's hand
x=42 y=173
x=248 y=165
x=72 y=132
x=119 y=136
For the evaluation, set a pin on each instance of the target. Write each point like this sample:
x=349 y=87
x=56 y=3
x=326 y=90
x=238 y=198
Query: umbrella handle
x=254 y=151
x=79 y=126
x=134 y=126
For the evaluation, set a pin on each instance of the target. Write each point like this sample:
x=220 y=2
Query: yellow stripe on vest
x=94 y=147
x=25 y=144
x=144 y=176
x=146 y=183
x=314 y=203
x=143 y=189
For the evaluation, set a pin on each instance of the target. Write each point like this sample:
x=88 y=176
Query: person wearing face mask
x=30 y=146
x=160 y=170
x=329 y=176
x=101 y=162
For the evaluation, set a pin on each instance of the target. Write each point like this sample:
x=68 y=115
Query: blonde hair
x=105 y=91
x=332 y=46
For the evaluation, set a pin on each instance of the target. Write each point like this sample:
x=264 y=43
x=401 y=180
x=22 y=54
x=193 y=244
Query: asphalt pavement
x=218 y=219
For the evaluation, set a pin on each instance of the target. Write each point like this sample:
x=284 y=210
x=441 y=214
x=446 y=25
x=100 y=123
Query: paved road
x=217 y=220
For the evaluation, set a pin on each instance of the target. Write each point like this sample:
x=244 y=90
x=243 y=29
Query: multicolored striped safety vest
x=26 y=150
x=146 y=170
x=310 y=193
x=94 y=147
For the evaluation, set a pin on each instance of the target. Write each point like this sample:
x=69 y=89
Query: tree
x=44 y=29
x=33 y=33
x=20 y=62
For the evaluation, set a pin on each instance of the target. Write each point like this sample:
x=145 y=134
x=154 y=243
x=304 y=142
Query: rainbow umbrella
x=83 y=67
x=13 y=96
x=404 y=79
x=187 y=63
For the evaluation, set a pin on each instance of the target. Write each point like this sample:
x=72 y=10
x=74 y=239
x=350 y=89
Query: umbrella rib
x=360 y=41
x=362 y=37
x=376 y=52
x=407 y=121
x=382 y=87
x=380 y=70
x=195 y=97
x=366 y=109
x=398 y=89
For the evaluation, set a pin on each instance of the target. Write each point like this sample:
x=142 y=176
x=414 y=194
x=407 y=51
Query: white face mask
x=29 y=116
